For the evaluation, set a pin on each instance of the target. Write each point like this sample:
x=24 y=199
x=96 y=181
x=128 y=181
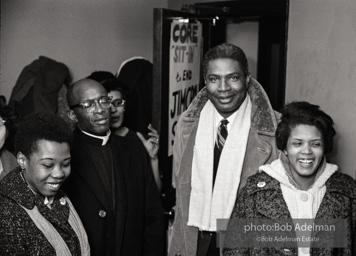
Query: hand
x=151 y=144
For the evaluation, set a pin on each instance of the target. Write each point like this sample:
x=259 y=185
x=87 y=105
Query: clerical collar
x=103 y=138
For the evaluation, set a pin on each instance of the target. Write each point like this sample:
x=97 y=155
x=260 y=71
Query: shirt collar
x=231 y=118
x=48 y=201
x=104 y=138
x=218 y=119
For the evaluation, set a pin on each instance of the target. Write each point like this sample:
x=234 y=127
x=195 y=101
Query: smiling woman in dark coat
x=36 y=217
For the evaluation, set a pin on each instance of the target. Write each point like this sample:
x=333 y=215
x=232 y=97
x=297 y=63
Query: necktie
x=219 y=144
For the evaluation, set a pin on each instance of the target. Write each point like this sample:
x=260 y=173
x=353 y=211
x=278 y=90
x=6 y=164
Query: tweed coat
x=136 y=225
x=261 y=149
x=19 y=235
x=267 y=202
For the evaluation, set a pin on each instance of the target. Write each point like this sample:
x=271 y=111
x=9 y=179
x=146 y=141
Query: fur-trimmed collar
x=263 y=117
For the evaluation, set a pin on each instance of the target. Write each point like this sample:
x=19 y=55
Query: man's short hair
x=226 y=51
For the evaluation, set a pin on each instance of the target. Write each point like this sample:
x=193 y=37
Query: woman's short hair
x=225 y=51
x=115 y=85
x=109 y=81
x=304 y=113
x=39 y=126
x=101 y=76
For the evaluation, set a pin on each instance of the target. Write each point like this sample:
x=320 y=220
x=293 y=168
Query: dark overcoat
x=136 y=225
x=267 y=202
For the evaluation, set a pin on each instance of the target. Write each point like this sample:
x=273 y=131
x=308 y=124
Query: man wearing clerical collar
x=111 y=185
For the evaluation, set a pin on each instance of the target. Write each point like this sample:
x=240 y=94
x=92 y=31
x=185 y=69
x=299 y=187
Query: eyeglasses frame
x=122 y=104
x=93 y=100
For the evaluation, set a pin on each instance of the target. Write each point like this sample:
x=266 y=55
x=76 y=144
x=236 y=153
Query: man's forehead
x=224 y=65
x=89 y=89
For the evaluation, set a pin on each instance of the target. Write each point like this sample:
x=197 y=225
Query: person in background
x=111 y=184
x=300 y=184
x=7 y=159
x=36 y=217
x=136 y=74
x=117 y=92
x=231 y=117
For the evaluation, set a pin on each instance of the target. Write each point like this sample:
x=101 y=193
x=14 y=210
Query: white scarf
x=206 y=205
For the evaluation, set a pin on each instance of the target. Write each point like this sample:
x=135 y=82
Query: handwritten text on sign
x=184 y=71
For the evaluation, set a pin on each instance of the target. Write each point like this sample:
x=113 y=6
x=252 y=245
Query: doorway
x=259 y=27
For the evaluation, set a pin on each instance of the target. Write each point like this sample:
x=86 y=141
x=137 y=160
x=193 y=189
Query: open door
x=199 y=28
x=224 y=21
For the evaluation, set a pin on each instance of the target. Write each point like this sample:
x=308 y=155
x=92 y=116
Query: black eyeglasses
x=118 y=102
x=89 y=105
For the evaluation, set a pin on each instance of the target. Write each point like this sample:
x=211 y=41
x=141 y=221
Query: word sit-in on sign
x=180 y=51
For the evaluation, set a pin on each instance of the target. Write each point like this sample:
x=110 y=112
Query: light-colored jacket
x=261 y=149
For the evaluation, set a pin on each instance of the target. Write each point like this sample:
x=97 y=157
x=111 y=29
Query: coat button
x=305 y=250
x=102 y=213
x=261 y=184
x=62 y=201
x=304 y=197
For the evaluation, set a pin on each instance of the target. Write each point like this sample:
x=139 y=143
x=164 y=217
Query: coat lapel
x=336 y=201
x=84 y=166
x=90 y=176
x=122 y=168
x=269 y=198
x=187 y=158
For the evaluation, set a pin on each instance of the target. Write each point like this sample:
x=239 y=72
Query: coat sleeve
x=177 y=151
x=10 y=241
x=154 y=233
x=239 y=212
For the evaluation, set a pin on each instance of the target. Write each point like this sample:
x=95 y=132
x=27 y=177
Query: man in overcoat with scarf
x=226 y=133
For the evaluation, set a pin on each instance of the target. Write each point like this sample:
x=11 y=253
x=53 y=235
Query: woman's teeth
x=53 y=185
x=305 y=162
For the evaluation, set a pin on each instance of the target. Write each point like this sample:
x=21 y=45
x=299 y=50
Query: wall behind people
x=177 y=4
x=85 y=35
x=321 y=65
